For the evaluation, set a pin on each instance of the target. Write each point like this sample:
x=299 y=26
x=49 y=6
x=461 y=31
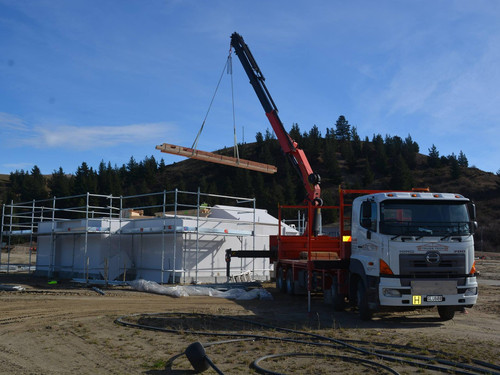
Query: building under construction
x=176 y=237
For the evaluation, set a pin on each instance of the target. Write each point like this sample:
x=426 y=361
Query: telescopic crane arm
x=297 y=157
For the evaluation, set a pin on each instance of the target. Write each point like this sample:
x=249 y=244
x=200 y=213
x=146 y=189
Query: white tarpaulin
x=191 y=290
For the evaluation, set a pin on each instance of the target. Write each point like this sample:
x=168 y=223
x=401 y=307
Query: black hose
x=352 y=345
x=366 y=362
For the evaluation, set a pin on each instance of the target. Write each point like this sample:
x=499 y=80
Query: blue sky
x=89 y=80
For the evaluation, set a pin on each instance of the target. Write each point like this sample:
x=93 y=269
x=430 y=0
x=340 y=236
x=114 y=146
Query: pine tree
x=393 y=146
x=269 y=135
x=454 y=167
x=409 y=151
x=356 y=143
x=433 y=161
x=85 y=180
x=60 y=184
x=295 y=133
x=462 y=160
x=381 y=160
x=311 y=143
x=16 y=181
x=259 y=138
x=103 y=179
x=343 y=129
x=34 y=185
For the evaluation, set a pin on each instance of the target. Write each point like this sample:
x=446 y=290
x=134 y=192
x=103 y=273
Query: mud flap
x=372 y=292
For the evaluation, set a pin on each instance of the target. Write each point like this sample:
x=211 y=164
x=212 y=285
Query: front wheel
x=362 y=301
x=446 y=312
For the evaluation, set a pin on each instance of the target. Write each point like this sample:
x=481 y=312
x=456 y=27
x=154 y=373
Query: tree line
x=341 y=156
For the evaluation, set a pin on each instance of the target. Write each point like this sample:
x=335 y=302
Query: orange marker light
x=473 y=269
x=385 y=269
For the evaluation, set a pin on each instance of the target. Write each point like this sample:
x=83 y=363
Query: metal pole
x=53 y=238
x=109 y=238
x=85 y=259
x=163 y=239
x=120 y=238
x=175 y=235
x=309 y=261
x=73 y=256
x=110 y=210
x=253 y=240
x=1 y=233
x=31 y=234
x=10 y=234
x=197 y=233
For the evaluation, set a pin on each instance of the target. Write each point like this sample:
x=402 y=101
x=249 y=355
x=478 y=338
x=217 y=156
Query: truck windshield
x=424 y=218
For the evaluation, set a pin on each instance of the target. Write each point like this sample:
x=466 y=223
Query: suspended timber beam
x=215 y=158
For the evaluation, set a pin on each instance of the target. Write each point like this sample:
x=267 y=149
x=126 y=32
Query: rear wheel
x=446 y=312
x=362 y=301
x=290 y=283
x=280 y=280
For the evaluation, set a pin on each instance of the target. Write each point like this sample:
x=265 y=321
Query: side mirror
x=366 y=214
x=472 y=211
x=366 y=209
x=474 y=226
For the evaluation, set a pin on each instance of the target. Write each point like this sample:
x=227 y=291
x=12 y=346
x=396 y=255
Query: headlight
x=391 y=293
x=470 y=292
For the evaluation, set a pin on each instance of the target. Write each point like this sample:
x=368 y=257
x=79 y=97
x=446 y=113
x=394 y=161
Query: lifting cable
x=230 y=71
x=382 y=351
x=228 y=66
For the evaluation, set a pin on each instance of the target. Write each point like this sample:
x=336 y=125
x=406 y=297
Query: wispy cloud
x=9 y=122
x=92 y=137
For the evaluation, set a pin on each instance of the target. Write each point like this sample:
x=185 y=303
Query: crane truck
x=391 y=250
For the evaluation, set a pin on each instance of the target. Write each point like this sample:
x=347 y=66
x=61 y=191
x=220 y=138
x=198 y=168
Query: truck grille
x=416 y=265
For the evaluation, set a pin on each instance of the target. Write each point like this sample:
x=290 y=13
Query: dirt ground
x=67 y=328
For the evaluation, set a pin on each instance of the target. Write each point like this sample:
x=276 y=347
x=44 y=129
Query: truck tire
x=362 y=301
x=446 y=312
x=280 y=280
x=338 y=300
x=290 y=282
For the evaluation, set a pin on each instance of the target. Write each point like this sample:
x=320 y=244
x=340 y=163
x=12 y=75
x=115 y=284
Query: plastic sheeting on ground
x=12 y=288
x=192 y=290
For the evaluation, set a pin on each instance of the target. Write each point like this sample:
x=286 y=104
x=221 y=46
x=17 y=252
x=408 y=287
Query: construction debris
x=12 y=288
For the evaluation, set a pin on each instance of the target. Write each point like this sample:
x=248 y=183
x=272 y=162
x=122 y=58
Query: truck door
x=368 y=243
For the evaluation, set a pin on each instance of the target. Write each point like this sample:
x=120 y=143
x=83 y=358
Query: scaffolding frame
x=22 y=220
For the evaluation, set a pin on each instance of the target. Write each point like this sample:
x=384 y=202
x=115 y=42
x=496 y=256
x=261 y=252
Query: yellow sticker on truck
x=417 y=300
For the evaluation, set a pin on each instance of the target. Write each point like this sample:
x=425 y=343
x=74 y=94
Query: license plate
x=434 y=298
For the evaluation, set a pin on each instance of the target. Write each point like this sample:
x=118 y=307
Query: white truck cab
x=411 y=250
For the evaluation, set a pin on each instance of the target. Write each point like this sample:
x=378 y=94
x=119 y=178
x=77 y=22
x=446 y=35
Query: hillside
x=481 y=187
x=389 y=163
